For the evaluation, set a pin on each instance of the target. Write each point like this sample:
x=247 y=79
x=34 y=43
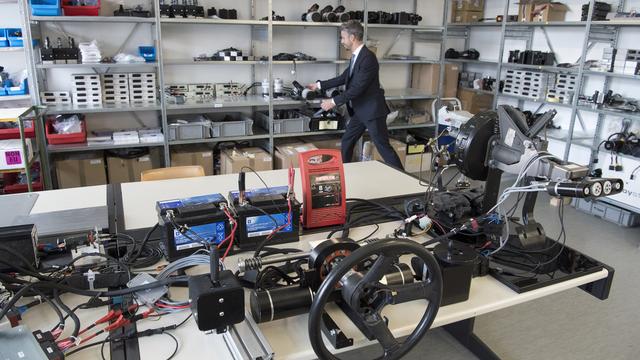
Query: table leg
x=463 y=332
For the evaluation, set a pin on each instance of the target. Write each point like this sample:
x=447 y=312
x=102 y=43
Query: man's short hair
x=353 y=27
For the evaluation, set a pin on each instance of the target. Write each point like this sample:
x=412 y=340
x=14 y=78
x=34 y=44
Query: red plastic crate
x=58 y=139
x=29 y=132
x=71 y=10
x=22 y=188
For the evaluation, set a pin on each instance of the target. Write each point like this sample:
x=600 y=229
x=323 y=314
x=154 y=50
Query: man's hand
x=327 y=104
x=312 y=86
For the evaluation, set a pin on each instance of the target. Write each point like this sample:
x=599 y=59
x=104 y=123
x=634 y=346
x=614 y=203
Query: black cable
x=371 y=234
x=144 y=242
x=72 y=315
x=113 y=293
x=52 y=304
x=175 y=351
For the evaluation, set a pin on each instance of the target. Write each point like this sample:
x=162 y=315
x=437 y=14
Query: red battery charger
x=323 y=188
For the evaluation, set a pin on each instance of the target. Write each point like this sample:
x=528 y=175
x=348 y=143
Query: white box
x=11 y=155
x=126 y=137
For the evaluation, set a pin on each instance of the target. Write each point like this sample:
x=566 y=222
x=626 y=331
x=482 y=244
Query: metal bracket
x=245 y=341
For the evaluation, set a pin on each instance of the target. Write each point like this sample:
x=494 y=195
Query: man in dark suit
x=363 y=96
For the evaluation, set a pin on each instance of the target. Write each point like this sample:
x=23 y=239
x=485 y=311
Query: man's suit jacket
x=362 y=87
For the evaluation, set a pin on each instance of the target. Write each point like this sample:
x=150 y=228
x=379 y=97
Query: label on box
x=212 y=233
x=95 y=162
x=145 y=158
x=13 y=157
x=263 y=225
x=206 y=154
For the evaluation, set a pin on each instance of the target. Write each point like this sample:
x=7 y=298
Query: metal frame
x=37 y=72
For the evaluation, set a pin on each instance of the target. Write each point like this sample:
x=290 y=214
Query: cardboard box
x=202 y=156
x=327 y=143
x=121 y=170
x=468 y=5
x=232 y=160
x=12 y=156
x=467 y=16
x=541 y=11
x=427 y=77
x=474 y=101
x=369 y=151
x=286 y=154
x=412 y=163
x=421 y=106
x=81 y=170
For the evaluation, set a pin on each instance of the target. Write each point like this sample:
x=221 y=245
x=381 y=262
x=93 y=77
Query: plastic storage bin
x=4 y=42
x=194 y=129
x=14 y=133
x=91 y=8
x=607 y=212
x=46 y=8
x=230 y=124
x=14 y=36
x=296 y=123
x=58 y=139
x=23 y=89
x=148 y=53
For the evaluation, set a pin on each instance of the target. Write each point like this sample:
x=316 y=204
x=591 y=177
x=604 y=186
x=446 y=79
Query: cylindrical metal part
x=258 y=263
x=399 y=274
x=269 y=305
x=574 y=189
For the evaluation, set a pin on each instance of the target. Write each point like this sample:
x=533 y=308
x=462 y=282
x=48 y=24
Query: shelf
x=303 y=62
x=241 y=101
x=407 y=94
x=547 y=68
x=190 y=62
x=96 y=66
x=534 y=100
x=15 y=98
x=583 y=139
x=392 y=61
x=306 y=24
x=258 y=134
x=467 y=61
x=309 y=133
x=11 y=49
x=414 y=27
x=617 y=22
x=628 y=115
x=611 y=74
x=475 y=24
x=104 y=108
x=549 y=23
x=94 y=147
x=213 y=21
x=94 y=19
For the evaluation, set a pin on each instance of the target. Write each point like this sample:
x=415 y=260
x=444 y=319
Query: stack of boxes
x=467 y=11
x=115 y=88
x=562 y=87
x=622 y=61
x=86 y=89
x=528 y=84
x=142 y=87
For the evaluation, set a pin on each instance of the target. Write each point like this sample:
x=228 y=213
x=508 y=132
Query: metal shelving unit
x=607 y=32
x=165 y=109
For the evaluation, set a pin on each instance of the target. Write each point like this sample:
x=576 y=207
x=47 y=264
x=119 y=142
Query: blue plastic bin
x=23 y=90
x=3 y=92
x=46 y=8
x=4 y=42
x=15 y=37
x=148 y=53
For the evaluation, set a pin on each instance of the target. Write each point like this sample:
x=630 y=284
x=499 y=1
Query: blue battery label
x=263 y=225
x=213 y=232
x=194 y=200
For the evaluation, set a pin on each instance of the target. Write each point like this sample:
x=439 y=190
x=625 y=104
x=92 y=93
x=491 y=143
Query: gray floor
x=569 y=325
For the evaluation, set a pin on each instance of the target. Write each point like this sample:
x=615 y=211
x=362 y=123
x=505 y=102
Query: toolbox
x=73 y=8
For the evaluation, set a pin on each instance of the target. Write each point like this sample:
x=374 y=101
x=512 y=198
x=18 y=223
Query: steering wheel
x=366 y=296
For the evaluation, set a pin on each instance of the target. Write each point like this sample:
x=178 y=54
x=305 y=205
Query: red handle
x=336 y=156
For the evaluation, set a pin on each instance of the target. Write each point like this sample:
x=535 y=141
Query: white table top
x=288 y=337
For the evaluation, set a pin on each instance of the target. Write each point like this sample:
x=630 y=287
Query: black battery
x=265 y=210
x=204 y=218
